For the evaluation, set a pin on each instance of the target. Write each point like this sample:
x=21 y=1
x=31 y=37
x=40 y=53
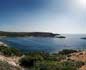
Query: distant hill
x=25 y=34
x=83 y=38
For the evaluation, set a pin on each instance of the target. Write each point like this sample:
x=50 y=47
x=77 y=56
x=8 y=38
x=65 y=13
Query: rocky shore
x=2 y=44
x=67 y=59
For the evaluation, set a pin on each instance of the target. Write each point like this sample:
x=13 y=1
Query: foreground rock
x=11 y=60
x=3 y=44
x=10 y=63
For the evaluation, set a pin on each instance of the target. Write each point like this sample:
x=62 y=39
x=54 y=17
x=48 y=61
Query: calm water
x=47 y=44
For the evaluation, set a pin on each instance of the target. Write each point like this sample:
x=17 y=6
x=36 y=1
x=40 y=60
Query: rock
x=84 y=38
x=2 y=44
x=61 y=37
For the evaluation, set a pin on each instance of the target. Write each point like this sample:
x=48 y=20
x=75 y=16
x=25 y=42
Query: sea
x=47 y=44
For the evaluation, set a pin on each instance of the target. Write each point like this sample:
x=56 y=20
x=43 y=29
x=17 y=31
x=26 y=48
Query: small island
x=61 y=37
x=83 y=38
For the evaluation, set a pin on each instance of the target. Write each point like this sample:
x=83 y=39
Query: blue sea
x=51 y=45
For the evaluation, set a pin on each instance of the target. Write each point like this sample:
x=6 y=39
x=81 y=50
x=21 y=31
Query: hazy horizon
x=56 y=16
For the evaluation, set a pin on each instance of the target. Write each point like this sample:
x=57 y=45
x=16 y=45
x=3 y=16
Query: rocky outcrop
x=84 y=38
x=3 y=44
x=61 y=37
x=10 y=62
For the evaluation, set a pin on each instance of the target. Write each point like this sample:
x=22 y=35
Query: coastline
x=66 y=55
x=76 y=56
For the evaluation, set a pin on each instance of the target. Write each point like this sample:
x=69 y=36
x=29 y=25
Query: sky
x=57 y=16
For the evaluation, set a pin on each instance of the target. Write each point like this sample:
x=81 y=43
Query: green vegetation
x=41 y=60
x=53 y=65
x=27 y=34
x=37 y=63
x=9 y=51
x=5 y=66
x=45 y=61
x=67 y=51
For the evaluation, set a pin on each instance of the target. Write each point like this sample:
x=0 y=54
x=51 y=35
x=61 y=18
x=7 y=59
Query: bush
x=76 y=64
x=27 y=62
x=56 y=66
x=8 y=51
x=45 y=61
x=39 y=61
x=30 y=61
x=67 y=51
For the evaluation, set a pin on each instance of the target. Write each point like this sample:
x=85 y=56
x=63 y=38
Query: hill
x=25 y=34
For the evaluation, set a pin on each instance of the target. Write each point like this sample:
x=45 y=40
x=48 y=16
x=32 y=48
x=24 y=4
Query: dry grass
x=78 y=56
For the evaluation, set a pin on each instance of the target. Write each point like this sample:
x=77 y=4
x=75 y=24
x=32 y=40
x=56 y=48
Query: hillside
x=25 y=34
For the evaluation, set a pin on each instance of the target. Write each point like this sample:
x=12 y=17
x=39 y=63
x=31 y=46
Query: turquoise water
x=51 y=45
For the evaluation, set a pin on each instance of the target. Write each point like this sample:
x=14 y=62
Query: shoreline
x=66 y=55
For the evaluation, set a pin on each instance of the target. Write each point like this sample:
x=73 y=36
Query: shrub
x=30 y=61
x=67 y=51
x=76 y=64
x=56 y=66
x=9 y=51
x=27 y=62
x=39 y=62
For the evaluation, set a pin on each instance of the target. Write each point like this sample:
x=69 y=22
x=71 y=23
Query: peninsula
x=27 y=34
